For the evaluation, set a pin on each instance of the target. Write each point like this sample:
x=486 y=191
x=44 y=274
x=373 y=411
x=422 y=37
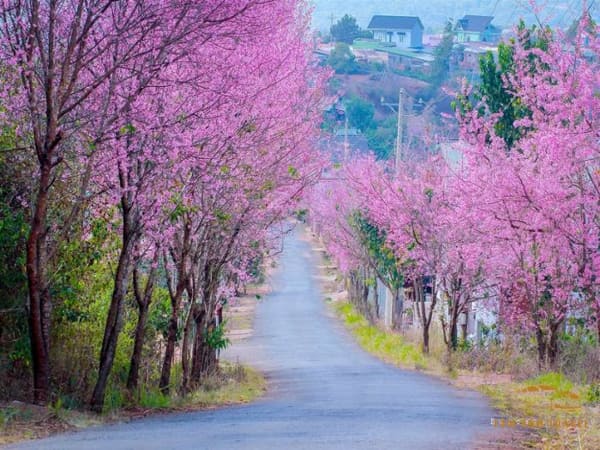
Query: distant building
x=403 y=31
x=465 y=59
x=477 y=29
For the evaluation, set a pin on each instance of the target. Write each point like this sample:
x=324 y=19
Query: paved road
x=325 y=392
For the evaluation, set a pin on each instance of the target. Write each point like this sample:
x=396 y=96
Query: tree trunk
x=376 y=304
x=138 y=345
x=425 y=340
x=114 y=321
x=398 y=309
x=143 y=301
x=453 y=332
x=553 y=349
x=417 y=306
x=176 y=295
x=427 y=316
x=541 y=346
x=202 y=322
x=208 y=361
x=547 y=343
x=205 y=357
x=553 y=343
x=185 y=351
x=165 y=375
x=39 y=296
x=420 y=301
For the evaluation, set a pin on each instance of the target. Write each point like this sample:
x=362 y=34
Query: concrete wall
x=466 y=36
x=402 y=38
x=416 y=37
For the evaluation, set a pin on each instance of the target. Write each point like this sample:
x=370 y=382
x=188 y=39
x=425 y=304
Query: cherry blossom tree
x=537 y=204
x=134 y=98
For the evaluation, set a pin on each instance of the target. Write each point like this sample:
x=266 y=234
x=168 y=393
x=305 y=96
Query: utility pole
x=346 y=143
x=399 y=150
x=400 y=131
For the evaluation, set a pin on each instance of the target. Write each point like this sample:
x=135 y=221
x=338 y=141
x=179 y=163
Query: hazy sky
x=434 y=13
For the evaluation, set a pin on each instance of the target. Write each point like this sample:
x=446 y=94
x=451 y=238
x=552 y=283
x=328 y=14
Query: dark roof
x=394 y=23
x=475 y=23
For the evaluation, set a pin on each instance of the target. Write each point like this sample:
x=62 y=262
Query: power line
x=494 y=10
x=570 y=9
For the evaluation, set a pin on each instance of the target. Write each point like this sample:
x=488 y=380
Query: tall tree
x=360 y=113
x=440 y=67
x=496 y=90
x=342 y=60
x=346 y=30
x=57 y=72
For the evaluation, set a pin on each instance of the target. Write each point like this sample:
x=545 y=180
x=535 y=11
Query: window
x=401 y=36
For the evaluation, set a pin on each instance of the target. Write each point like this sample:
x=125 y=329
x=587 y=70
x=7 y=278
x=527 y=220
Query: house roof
x=394 y=23
x=475 y=23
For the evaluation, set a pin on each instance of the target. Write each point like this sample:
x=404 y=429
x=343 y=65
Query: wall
x=405 y=42
x=417 y=37
x=465 y=36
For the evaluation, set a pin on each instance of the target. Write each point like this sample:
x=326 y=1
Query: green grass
x=390 y=347
x=550 y=397
x=545 y=395
x=380 y=46
x=234 y=384
x=243 y=386
x=154 y=399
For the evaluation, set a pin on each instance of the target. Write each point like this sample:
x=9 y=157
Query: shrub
x=592 y=396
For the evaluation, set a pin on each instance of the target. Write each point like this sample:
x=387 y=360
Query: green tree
x=440 y=67
x=360 y=113
x=495 y=90
x=382 y=260
x=346 y=30
x=342 y=60
x=15 y=355
x=382 y=138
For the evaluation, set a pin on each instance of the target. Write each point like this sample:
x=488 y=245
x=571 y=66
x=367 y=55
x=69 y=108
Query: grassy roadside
x=390 y=347
x=531 y=407
x=235 y=384
x=553 y=412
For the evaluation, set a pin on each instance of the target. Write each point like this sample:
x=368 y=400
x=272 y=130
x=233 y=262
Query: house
x=465 y=58
x=403 y=31
x=476 y=29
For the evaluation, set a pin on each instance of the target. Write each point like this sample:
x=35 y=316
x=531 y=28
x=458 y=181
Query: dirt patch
x=20 y=421
x=234 y=384
x=474 y=380
x=240 y=312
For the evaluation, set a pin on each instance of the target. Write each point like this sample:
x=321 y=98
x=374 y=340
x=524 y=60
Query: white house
x=404 y=31
x=476 y=29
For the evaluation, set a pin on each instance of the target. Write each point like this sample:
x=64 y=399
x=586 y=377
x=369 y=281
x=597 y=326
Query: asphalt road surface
x=324 y=391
